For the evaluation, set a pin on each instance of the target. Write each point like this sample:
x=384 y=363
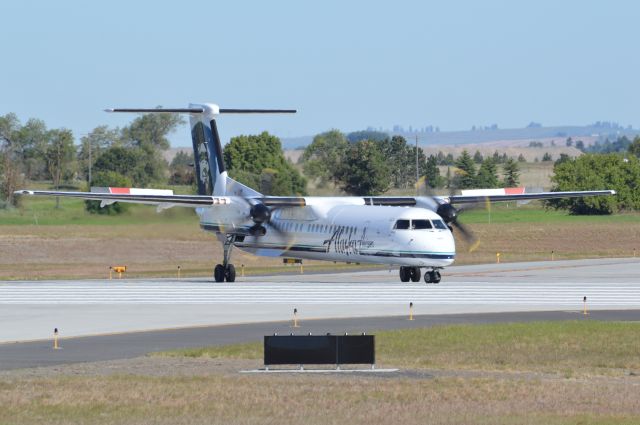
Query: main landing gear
x=413 y=274
x=226 y=271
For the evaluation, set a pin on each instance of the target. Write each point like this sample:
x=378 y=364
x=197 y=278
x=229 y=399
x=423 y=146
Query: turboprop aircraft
x=411 y=232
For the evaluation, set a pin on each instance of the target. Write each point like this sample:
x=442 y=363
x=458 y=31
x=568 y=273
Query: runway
x=103 y=320
x=30 y=310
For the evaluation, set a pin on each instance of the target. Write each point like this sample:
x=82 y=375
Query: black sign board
x=356 y=349
x=319 y=349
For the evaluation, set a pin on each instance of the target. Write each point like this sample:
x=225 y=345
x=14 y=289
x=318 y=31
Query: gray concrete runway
x=30 y=310
x=129 y=318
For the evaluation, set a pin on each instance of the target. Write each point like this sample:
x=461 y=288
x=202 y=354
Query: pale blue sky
x=342 y=64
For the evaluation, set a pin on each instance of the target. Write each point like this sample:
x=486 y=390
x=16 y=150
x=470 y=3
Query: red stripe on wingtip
x=513 y=190
x=120 y=190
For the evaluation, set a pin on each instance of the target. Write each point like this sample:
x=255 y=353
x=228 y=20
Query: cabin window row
x=419 y=224
x=315 y=228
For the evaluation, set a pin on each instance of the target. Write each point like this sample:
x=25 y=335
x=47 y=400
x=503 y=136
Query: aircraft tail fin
x=211 y=175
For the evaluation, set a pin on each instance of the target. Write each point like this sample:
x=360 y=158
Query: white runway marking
x=176 y=292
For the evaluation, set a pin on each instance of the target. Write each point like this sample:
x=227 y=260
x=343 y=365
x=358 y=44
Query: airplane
x=409 y=232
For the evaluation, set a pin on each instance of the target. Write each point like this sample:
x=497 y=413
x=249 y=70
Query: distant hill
x=590 y=133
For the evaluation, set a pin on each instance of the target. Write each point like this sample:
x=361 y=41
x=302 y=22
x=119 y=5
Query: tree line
x=364 y=166
x=369 y=167
x=359 y=163
x=130 y=156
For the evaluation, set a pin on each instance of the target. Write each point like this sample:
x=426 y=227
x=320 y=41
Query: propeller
x=261 y=215
x=447 y=212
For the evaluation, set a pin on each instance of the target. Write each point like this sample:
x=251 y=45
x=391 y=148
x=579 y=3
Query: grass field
x=579 y=372
x=38 y=241
x=580 y=348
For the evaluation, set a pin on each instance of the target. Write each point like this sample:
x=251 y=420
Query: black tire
x=428 y=277
x=218 y=273
x=405 y=274
x=230 y=273
x=415 y=274
x=437 y=277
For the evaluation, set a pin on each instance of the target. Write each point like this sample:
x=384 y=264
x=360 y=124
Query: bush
x=598 y=172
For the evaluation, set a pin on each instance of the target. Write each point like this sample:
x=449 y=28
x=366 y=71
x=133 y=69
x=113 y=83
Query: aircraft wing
x=472 y=199
x=435 y=201
x=166 y=201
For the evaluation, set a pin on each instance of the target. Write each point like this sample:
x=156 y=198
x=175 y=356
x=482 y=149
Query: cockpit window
x=421 y=224
x=401 y=224
x=439 y=224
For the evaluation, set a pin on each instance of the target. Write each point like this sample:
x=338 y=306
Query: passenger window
x=401 y=224
x=439 y=224
x=421 y=224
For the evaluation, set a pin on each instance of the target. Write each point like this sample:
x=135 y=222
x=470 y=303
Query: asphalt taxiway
x=135 y=344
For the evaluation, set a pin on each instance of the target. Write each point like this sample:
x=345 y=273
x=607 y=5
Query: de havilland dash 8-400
x=411 y=232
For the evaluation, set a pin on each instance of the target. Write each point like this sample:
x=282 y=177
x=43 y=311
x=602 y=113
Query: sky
x=341 y=64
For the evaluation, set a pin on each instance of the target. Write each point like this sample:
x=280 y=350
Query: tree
x=10 y=156
x=59 y=156
x=92 y=145
x=466 y=173
x=32 y=139
x=597 y=172
x=364 y=170
x=477 y=157
x=563 y=158
x=108 y=179
x=358 y=136
x=323 y=156
x=258 y=161
x=432 y=172
x=634 y=147
x=125 y=161
x=547 y=157
x=148 y=134
x=181 y=169
x=569 y=142
x=521 y=158
x=487 y=176
x=401 y=159
x=511 y=172
x=580 y=145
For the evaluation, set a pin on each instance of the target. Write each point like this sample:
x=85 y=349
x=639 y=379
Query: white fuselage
x=341 y=229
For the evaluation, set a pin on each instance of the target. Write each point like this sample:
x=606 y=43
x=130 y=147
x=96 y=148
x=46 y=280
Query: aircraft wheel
x=218 y=273
x=405 y=274
x=428 y=277
x=230 y=273
x=437 y=277
x=415 y=274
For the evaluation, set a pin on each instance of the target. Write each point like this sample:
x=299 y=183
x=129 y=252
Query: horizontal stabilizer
x=201 y=110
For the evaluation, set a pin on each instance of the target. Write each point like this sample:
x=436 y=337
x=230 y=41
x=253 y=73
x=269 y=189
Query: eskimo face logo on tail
x=205 y=178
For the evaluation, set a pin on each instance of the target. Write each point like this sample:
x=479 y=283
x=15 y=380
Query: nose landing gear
x=413 y=274
x=432 y=277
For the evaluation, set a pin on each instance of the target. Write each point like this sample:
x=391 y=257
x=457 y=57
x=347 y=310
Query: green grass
x=42 y=211
x=535 y=213
x=170 y=389
x=566 y=348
